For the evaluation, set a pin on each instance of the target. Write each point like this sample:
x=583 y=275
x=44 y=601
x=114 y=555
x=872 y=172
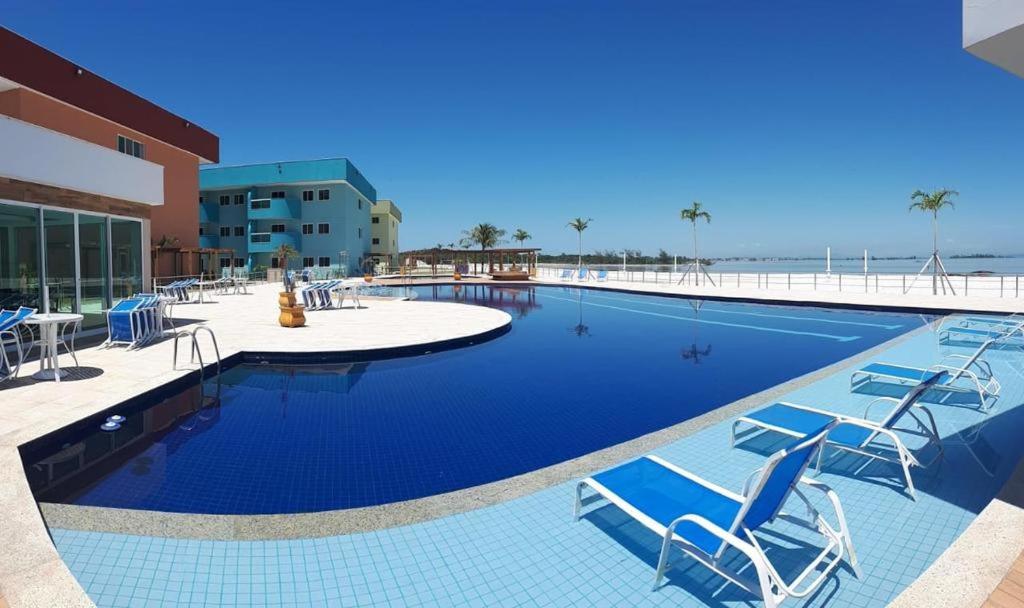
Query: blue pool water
x=579 y=371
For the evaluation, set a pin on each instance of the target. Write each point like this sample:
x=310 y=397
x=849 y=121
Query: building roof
x=26 y=64
x=286 y=172
x=387 y=206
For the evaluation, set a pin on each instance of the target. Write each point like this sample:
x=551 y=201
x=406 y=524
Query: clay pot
x=292 y=316
x=457 y=276
x=368 y=278
x=286 y=299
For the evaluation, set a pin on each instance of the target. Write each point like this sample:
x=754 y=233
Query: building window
x=131 y=147
x=376 y=241
x=375 y=220
x=201 y=201
x=307 y=196
x=225 y=262
x=239 y=262
x=239 y=230
x=259 y=203
x=277 y=227
x=307 y=229
x=225 y=200
x=324 y=195
x=324 y=261
x=259 y=237
x=323 y=228
x=277 y=194
x=274 y=262
x=225 y=230
x=360 y=201
x=360 y=233
x=239 y=199
x=307 y=262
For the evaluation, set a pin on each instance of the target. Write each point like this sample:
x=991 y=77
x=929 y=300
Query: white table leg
x=54 y=364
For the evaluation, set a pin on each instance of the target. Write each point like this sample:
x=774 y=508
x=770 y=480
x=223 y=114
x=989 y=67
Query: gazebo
x=187 y=261
x=463 y=258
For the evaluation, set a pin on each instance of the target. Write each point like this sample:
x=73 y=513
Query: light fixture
x=78 y=72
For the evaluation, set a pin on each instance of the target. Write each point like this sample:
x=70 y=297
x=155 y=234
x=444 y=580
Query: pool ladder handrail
x=196 y=351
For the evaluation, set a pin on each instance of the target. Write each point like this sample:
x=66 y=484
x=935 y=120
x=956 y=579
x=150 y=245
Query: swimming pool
x=579 y=371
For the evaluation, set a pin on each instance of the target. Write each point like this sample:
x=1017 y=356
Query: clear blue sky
x=798 y=124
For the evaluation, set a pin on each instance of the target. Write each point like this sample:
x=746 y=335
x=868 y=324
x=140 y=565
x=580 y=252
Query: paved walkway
x=31 y=571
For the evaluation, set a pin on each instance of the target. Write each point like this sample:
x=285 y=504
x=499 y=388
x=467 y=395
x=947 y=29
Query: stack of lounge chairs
x=11 y=326
x=135 y=322
x=179 y=290
x=710 y=523
x=317 y=295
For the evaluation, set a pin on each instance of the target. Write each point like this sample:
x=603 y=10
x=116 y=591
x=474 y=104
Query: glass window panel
x=19 y=256
x=92 y=260
x=126 y=249
x=59 y=228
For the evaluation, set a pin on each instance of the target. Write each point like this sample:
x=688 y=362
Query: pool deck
x=912 y=301
x=31 y=571
x=34 y=574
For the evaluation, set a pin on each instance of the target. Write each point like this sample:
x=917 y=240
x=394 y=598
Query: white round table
x=49 y=324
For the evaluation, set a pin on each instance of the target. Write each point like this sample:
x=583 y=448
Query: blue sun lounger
x=126 y=324
x=10 y=335
x=705 y=520
x=873 y=440
x=566 y=275
x=1009 y=334
x=602 y=276
x=582 y=274
x=971 y=375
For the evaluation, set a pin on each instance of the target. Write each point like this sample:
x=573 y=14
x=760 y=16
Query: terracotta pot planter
x=292 y=316
x=368 y=278
x=286 y=299
x=457 y=276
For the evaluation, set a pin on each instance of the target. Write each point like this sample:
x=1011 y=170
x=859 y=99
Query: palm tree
x=521 y=235
x=692 y=214
x=579 y=225
x=286 y=252
x=933 y=202
x=486 y=235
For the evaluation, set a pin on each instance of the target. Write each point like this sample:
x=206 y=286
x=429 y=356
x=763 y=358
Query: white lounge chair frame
x=769 y=584
x=980 y=378
x=903 y=457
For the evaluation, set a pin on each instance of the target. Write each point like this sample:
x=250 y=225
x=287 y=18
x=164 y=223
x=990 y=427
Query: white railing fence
x=988 y=285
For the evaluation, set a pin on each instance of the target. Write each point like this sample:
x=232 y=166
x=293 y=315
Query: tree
x=284 y=253
x=521 y=235
x=932 y=203
x=579 y=225
x=486 y=235
x=692 y=214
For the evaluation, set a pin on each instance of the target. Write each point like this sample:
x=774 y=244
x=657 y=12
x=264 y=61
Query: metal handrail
x=196 y=351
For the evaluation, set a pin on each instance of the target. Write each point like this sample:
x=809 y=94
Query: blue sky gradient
x=798 y=124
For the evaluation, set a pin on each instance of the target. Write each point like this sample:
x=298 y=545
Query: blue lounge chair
x=874 y=440
x=1008 y=334
x=10 y=335
x=602 y=276
x=971 y=375
x=126 y=324
x=705 y=520
x=566 y=275
x=582 y=274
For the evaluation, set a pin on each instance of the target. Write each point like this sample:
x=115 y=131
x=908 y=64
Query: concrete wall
x=993 y=30
x=35 y=154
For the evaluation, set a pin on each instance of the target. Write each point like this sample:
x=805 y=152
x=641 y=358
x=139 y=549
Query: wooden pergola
x=490 y=257
x=187 y=261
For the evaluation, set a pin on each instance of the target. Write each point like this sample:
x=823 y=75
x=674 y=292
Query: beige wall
x=179 y=215
x=386 y=229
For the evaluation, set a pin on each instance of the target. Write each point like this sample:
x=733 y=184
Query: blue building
x=319 y=207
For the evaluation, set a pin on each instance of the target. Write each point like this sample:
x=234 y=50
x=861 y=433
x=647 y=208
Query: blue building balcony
x=209 y=241
x=268 y=242
x=274 y=209
x=209 y=213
